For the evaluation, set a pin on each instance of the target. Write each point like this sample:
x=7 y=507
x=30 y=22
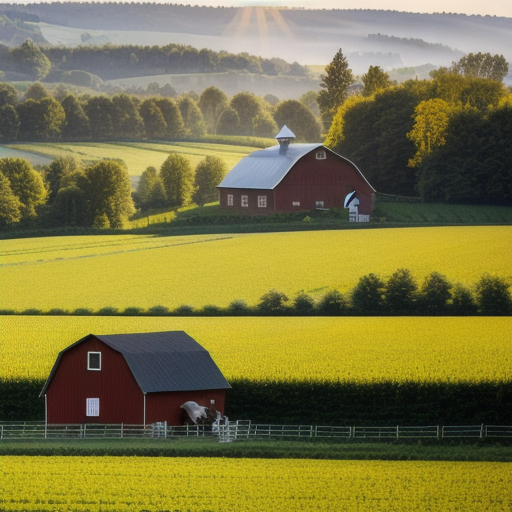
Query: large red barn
x=134 y=379
x=295 y=177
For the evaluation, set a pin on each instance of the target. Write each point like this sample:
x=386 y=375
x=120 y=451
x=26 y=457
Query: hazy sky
x=491 y=7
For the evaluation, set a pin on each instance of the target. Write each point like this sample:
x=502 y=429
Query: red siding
x=330 y=180
x=121 y=399
x=308 y=181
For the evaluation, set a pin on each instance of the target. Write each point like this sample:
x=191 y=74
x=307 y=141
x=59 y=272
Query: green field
x=144 y=271
x=137 y=155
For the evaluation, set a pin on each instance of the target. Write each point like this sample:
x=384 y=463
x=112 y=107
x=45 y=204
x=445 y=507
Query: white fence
x=237 y=430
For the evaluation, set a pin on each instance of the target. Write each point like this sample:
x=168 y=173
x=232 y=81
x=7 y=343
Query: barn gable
x=160 y=361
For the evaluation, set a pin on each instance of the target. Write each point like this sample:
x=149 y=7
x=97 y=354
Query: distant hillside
x=388 y=38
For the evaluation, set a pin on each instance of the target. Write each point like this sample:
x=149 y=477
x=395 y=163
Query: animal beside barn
x=292 y=177
x=133 y=379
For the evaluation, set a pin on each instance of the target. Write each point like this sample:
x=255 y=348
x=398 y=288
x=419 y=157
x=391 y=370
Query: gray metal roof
x=264 y=169
x=161 y=361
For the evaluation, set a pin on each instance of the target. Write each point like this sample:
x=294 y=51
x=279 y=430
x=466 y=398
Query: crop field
x=249 y=485
x=145 y=271
x=138 y=155
x=347 y=349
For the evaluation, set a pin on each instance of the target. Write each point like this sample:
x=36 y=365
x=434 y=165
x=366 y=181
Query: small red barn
x=294 y=177
x=132 y=378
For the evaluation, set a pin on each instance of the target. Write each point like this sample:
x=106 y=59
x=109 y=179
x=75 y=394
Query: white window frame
x=244 y=201
x=320 y=204
x=295 y=203
x=89 y=367
x=92 y=407
x=321 y=154
x=262 y=201
x=230 y=200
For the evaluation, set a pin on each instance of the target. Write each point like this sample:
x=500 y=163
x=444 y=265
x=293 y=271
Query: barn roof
x=266 y=168
x=161 y=361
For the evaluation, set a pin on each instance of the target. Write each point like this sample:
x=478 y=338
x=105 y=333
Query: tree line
x=39 y=116
x=445 y=139
x=111 y=62
x=398 y=295
x=99 y=195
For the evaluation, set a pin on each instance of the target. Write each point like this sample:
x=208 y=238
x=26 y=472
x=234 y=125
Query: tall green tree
x=335 y=85
x=493 y=295
x=192 y=117
x=107 y=190
x=375 y=79
x=56 y=172
x=26 y=184
x=435 y=294
x=77 y=124
x=9 y=123
x=400 y=293
x=30 y=60
x=178 y=179
x=126 y=118
x=247 y=106
x=100 y=111
x=37 y=91
x=263 y=125
x=482 y=65
x=212 y=102
x=172 y=117
x=209 y=173
x=10 y=205
x=154 y=122
x=8 y=95
x=41 y=120
x=229 y=122
x=150 y=190
x=368 y=295
x=299 y=119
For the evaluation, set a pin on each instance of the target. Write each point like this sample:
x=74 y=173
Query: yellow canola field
x=145 y=271
x=250 y=485
x=356 y=349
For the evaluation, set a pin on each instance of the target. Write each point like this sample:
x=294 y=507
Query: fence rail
x=236 y=430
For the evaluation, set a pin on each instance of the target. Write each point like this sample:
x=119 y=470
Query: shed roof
x=266 y=168
x=161 y=361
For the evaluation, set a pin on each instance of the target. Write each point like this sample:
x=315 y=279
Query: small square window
x=320 y=155
x=94 y=361
x=319 y=204
x=245 y=201
x=262 y=201
x=92 y=407
x=230 y=199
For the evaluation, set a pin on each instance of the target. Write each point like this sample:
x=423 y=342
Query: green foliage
x=435 y=294
x=209 y=173
x=25 y=183
x=368 y=295
x=107 y=190
x=9 y=123
x=374 y=80
x=30 y=60
x=482 y=65
x=192 y=117
x=493 y=296
x=229 y=122
x=303 y=304
x=126 y=118
x=37 y=92
x=178 y=180
x=463 y=302
x=10 y=205
x=8 y=95
x=273 y=303
x=299 y=119
x=333 y=303
x=154 y=123
x=56 y=172
x=264 y=125
x=247 y=106
x=400 y=293
x=150 y=190
x=335 y=83
x=172 y=117
x=212 y=102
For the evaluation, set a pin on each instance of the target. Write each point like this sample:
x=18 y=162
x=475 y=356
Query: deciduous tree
x=209 y=173
x=482 y=65
x=212 y=102
x=9 y=123
x=400 y=293
x=10 y=205
x=374 y=80
x=299 y=119
x=178 y=179
x=368 y=295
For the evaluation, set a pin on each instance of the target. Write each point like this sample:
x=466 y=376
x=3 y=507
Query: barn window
x=92 y=406
x=230 y=199
x=320 y=155
x=319 y=204
x=245 y=200
x=262 y=201
x=295 y=203
x=94 y=361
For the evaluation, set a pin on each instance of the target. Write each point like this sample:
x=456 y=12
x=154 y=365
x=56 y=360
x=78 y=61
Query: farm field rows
x=246 y=485
x=347 y=349
x=145 y=271
x=137 y=155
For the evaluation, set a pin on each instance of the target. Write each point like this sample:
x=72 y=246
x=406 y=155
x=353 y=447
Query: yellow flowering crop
x=250 y=485
x=144 y=271
x=354 y=349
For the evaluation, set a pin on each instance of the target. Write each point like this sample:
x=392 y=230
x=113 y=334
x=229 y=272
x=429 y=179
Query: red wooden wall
x=121 y=399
